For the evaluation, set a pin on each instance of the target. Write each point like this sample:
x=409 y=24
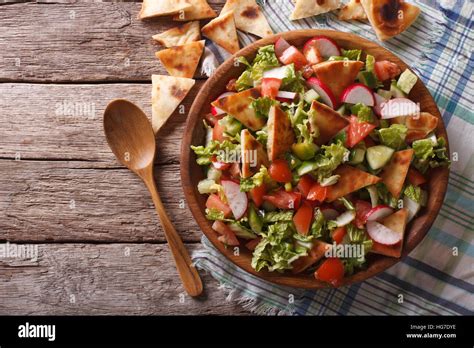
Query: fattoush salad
x=314 y=152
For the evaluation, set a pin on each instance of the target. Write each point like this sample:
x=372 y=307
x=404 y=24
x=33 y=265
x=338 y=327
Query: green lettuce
x=415 y=193
x=351 y=54
x=363 y=112
x=369 y=63
x=294 y=81
x=385 y=196
x=264 y=60
x=262 y=106
x=262 y=136
x=318 y=227
x=329 y=159
x=430 y=155
x=278 y=216
x=357 y=236
x=393 y=136
x=214 y=148
x=262 y=176
x=215 y=214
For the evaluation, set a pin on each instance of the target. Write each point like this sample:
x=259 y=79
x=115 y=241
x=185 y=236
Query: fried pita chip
x=155 y=8
x=394 y=173
x=238 y=106
x=338 y=75
x=309 y=8
x=167 y=93
x=315 y=254
x=179 y=35
x=280 y=133
x=253 y=154
x=326 y=120
x=351 y=179
x=181 y=61
x=390 y=17
x=222 y=31
x=199 y=9
x=396 y=222
x=352 y=10
x=420 y=126
x=248 y=17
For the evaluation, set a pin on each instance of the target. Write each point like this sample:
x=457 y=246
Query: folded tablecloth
x=438 y=276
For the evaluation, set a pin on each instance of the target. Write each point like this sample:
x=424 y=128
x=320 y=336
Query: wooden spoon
x=131 y=138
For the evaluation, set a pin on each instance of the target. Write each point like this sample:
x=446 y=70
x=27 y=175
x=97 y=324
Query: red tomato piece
x=362 y=208
x=280 y=46
x=280 y=171
x=302 y=218
x=357 y=131
x=331 y=271
x=220 y=165
x=317 y=193
x=214 y=202
x=305 y=184
x=415 y=177
x=338 y=234
x=227 y=236
x=311 y=52
x=253 y=244
x=307 y=71
x=284 y=200
x=270 y=87
x=257 y=193
x=292 y=55
x=385 y=70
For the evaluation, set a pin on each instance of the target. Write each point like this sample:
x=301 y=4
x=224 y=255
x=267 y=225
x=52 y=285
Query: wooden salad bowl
x=192 y=173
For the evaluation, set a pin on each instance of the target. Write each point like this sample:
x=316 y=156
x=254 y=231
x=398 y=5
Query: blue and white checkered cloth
x=438 y=276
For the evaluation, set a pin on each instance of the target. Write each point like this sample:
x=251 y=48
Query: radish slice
x=280 y=46
x=237 y=199
x=399 y=107
x=358 y=93
x=379 y=101
x=382 y=234
x=286 y=95
x=276 y=73
x=412 y=207
x=345 y=218
x=216 y=111
x=329 y=213
x=325 y=46
x=323 y=91
x=379 y=212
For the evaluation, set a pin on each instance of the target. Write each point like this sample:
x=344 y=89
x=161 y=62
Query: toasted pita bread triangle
x=396 y=222
x=199 y=9
x=238 y=106
x=420 y=126
x=155 y=8
x=181 y=61
x=280 y=133
x=248 y=17
x=394 y=173
x=222 y=31
x=315 y=254
x=327 y=121
x=179 y=35
x=167 y=93
x=337 y=75
x=390 y=17
x=351 y=179
x=253 y=154
x=352 y=10
x=309 y=8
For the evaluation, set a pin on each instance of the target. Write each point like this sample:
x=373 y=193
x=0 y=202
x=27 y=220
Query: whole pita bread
x=182 y=61
x=390 y=17
x=222 y=31
x=248 y=17
x=337 y=74
x=179 y=35
x=167 y=92
x=199 y=9
x=155 y=8
x=309 y=8
x=352 y=10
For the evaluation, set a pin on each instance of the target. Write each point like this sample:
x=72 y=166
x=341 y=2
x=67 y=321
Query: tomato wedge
x=214 y=202
x=331 y=271
x=257 y=193
x=357 y=131
x=338 y=234
x=227 y=236
x=317 y=193
x=283 y=199
x=305 y=184
x=270 y=87
x=280 y=171
x=415 y=177
x=253 y=244
x=362 y=208
x=385 y=70
x=292 y=55
x=302 y=218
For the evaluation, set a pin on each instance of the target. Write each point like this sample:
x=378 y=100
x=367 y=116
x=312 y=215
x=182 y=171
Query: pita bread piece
x=248 y=17
x=337 y=75
x=420 y=126
x=396 y=222
x=327 y=121
x=155 y=8
x=199 y=9
x=352 y=10
x=315 y=254
x=238 y=106
x=390 y=17
x=181 y=61
x=222 y=31
x=309 y=8
x=167 y=93
x=280 y=133
x=253 y=154
x=394 y=174
x=351 y=179
x=179 y=35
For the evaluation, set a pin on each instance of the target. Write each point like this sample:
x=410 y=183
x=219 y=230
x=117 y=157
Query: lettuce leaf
x=294 y=81
x=415 y=193
x=385 y=196
x=262 y=176
x=329 y=159
x=363 y=112
x=318 y=227
x=264 y=60
x=262 y=106
x=430 y=155
x=393 y=136
x=278 y=216
x=214 y=148
x=351 y=54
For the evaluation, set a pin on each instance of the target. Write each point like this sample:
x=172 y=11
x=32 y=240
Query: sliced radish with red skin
x=379 y=101
x=323 y=91
x=286 y=95
x=399 y=107
x=276 y=73
x=216 y=111
x=382 y=234
x=237 y=199
x=378 y=212
x=311 y=52
x=325 y=46
x=345 y=218
x=330 y=213
x=280 y=46
x=358 y=93
x=293 y=55
x=412 y=207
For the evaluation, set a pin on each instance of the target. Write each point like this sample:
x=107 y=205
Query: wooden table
x=101 y=248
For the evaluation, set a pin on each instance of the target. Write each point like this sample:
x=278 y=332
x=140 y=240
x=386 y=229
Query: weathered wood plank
x=82 y=201
x=113 y=279
x=53 y=121
x=88 y=41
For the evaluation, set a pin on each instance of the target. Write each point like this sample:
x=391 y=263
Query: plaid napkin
x=438 y=276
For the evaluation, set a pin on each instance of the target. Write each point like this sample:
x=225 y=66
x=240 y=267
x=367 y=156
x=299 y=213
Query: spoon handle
x=188 y=273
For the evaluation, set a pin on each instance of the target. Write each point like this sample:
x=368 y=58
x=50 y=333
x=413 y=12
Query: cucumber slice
x=241 y=231
x=357 y=156
x=255 y=220
x=396 y=91
x=310 y=95
x=406 y=81
x=306 y=167
x=378 y=156
x=384 y=93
